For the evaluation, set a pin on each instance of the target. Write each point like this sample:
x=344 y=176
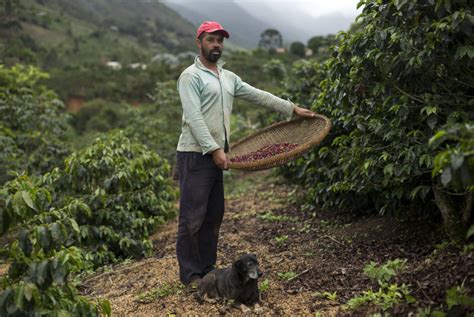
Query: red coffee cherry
x=265 y=152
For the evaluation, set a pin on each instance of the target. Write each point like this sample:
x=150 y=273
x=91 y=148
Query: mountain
x=295 y=24
x=244 y=28
x=55 y=32
x=246 y=20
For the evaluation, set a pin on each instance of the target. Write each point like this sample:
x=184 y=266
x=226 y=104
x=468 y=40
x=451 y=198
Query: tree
x=316 y=42
x=320 y=45
x=298 y=49
x=270 y=39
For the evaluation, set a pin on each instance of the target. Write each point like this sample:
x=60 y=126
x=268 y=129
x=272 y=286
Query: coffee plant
x=392 y=83
x=38 y=245
x=128 y=193
x=164 y=112
x=32 y=124
x=102 y=206
x=302 y=87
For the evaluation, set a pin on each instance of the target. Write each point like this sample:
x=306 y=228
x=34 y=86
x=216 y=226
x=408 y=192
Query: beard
x=211 y=56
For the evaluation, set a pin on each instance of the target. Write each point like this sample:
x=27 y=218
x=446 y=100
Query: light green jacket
x=207 y=104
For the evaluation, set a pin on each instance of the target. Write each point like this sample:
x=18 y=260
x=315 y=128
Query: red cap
x=211 y=27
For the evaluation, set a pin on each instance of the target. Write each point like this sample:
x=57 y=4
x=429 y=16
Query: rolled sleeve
x=192 y=114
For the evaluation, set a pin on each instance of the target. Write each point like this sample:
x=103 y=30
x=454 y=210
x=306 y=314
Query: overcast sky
x=315 y=7
x=312 y=7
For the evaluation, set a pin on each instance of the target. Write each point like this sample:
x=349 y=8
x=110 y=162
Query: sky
x=313 y=7
x=316 y=7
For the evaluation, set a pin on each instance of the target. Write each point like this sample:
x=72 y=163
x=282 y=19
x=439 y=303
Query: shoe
x=193 y=285
x=207 y=270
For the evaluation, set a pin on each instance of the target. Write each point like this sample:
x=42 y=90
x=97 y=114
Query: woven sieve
x=306 y=132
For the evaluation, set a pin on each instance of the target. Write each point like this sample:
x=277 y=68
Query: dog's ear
x=239 y=265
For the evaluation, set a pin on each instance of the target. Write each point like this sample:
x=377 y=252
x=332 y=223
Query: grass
x=388 y=294
x=386 y=297
x=287 y=276
x=327 y=295
x=264 y=286
x=271 y=217
x=280 y=240
x=160 y=292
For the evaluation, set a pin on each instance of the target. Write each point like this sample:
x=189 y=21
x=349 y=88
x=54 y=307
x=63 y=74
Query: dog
x=237 y=283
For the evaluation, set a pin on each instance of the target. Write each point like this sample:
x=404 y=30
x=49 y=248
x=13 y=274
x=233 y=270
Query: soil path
x=312 y=261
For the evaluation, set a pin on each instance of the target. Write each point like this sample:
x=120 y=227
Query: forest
x=377 y=220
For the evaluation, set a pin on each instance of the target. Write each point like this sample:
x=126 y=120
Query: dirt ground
x=312 y=261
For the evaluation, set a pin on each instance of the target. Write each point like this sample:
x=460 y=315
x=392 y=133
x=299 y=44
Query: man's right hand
x=220 y=159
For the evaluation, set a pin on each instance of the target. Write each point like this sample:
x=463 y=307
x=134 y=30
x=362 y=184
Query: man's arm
x=268 y=100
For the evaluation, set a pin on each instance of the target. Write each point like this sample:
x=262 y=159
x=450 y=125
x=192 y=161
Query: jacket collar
x=200 y=65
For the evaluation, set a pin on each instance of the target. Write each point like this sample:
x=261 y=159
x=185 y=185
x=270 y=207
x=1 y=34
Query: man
x=207 y=92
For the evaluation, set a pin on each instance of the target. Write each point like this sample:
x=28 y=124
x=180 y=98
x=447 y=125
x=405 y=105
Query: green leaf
x=65 y=313
x=432 y=121
x=44 y=238
x=429 y=110
x=388 y=169
x=27 y=198
x=18 y=203
x=4 y=296
x=470 y=232
x=106 y=307
x=59 y=275
x=41 y=272
x=20 y=296
x=447 y=5
x=75 y=226
x=438 y=138
x=456 y=161
x=446 y=177
x=55 y=230
x=465 y=51
x=24 y=242
x=30 y=289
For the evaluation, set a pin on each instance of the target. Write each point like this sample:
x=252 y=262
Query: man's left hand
x=302 y=112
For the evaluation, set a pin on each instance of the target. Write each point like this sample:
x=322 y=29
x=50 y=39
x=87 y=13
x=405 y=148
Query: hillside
x=53 y=33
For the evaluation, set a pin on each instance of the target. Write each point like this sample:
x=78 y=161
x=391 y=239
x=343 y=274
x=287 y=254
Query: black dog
x=238 y=283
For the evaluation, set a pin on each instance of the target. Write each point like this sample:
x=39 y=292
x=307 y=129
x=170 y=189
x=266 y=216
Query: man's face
x=211 y=46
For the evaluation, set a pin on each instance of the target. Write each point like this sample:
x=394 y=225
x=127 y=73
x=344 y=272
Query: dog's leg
x=209 y=300
x=206 y=289
x=257 y=309
x=244 y=309
x=198 y=297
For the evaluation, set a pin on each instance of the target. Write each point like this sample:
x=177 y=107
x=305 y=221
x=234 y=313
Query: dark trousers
x=201 y=209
